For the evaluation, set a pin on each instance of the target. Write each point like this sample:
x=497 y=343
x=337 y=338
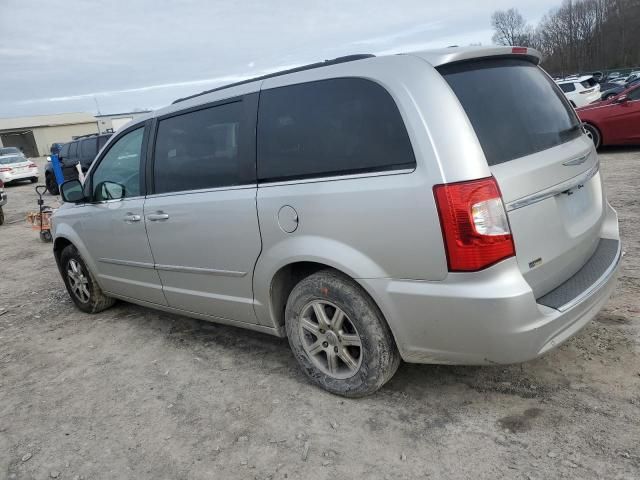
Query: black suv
x=81 y=150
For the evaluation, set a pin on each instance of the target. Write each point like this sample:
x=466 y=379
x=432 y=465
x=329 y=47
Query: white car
x=15 y=167
x=4 y=151
x=580 y=91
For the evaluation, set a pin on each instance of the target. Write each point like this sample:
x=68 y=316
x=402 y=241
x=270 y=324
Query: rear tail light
x=474 y=224
x=32 y=165
x=5 y=169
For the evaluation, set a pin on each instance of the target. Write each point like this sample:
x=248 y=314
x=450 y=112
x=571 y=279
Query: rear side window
x=102 y=140
x=89 y=148
x=73 y=150
x=568 y=87
x=588 y=83
x=330 y=127
x=204 y=149
x=514 y=107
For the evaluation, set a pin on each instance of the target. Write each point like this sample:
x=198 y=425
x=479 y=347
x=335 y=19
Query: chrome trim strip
x=554 y=190
x=126 y=263
x=206 y=271
x=353 y=176
x=604 y=278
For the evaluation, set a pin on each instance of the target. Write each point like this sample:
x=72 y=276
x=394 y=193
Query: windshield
x=9 y=151
x=514 y=107
x=12 y=159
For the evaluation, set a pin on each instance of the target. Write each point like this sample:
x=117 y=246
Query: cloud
x=146 y=53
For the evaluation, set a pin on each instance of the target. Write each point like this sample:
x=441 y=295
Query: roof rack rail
x=326 y=63
x=78 y=137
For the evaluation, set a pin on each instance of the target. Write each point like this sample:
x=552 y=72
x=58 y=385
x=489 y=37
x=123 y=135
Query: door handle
x=130 y=217
x=156 y=217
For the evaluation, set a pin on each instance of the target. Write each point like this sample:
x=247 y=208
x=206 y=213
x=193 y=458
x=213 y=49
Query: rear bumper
x=484 y=318
x=7 y=177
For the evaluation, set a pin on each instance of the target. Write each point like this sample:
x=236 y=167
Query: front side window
x=330 y=127
x=634 y=94
x=73 y=150
x=118 y=174
x=203 y=149
x=64 y=150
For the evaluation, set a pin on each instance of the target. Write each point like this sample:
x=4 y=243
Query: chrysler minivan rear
x=532 y=249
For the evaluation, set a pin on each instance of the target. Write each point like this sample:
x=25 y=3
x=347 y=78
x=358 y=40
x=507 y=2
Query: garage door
x=116 y=123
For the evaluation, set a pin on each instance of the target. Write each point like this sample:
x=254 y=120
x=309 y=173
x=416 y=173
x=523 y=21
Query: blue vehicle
x=82 y=150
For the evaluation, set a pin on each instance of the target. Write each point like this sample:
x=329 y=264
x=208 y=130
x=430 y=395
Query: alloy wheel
x=330 y=339
x=78 y=281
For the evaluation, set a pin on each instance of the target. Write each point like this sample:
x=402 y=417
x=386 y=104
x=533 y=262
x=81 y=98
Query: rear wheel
x=1 y=216
x=339 y=336
x=594 y=134
x=52 y=185
x=81 y=284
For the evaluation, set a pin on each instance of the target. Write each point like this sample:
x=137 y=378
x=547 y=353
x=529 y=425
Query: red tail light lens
x=474 y=224
x=5 y=169
x=32 y=165
x=519 y=50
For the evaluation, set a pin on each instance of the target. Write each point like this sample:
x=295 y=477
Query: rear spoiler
x=445 y=56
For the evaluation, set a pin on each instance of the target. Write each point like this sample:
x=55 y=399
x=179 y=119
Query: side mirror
x=109 y=191
x=622 y=99
x=72 y=192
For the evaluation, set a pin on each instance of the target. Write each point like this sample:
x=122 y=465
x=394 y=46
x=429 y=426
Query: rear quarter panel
x=374 y=225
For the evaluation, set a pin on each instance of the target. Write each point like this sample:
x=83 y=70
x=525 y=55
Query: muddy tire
x=339 y=336
x=80 y=283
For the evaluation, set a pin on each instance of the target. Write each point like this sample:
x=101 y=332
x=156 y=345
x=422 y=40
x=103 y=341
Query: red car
x=615 y=121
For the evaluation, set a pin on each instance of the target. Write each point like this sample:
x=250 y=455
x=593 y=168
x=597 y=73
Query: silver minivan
x=435 y=207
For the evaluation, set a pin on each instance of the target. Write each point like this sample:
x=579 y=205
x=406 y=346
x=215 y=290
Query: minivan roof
x=435 y=57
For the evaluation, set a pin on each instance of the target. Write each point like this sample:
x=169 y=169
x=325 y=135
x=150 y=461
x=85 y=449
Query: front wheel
x=52 y=185
x=339 y=336
x=594 y=134
x=81 y=284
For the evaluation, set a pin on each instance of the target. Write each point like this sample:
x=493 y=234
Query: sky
x=121 y=55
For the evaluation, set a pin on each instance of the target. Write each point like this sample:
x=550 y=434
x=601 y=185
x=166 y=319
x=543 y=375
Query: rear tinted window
x=204 y=149
x=102 y=139
x=515 y=109
x=567 y=87
x=588 y=83
x=89 y=148
x=330 y=127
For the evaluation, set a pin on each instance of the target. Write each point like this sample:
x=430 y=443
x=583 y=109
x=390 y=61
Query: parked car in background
x=79 y=151
x=615 y=90
x=16 y=167
x=615 y=121
x=580 y=91
x=12 y=151
x=3 y=201
x=367 y=208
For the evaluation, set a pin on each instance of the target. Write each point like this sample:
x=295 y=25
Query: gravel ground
x=133 y=393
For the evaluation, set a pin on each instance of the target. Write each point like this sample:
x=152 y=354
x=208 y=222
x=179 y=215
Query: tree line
x=578 y=36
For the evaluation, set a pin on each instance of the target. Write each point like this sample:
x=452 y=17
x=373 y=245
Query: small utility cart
x=3 y=201
x=41 y=220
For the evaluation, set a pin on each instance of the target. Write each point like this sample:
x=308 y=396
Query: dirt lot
x=133 y=394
